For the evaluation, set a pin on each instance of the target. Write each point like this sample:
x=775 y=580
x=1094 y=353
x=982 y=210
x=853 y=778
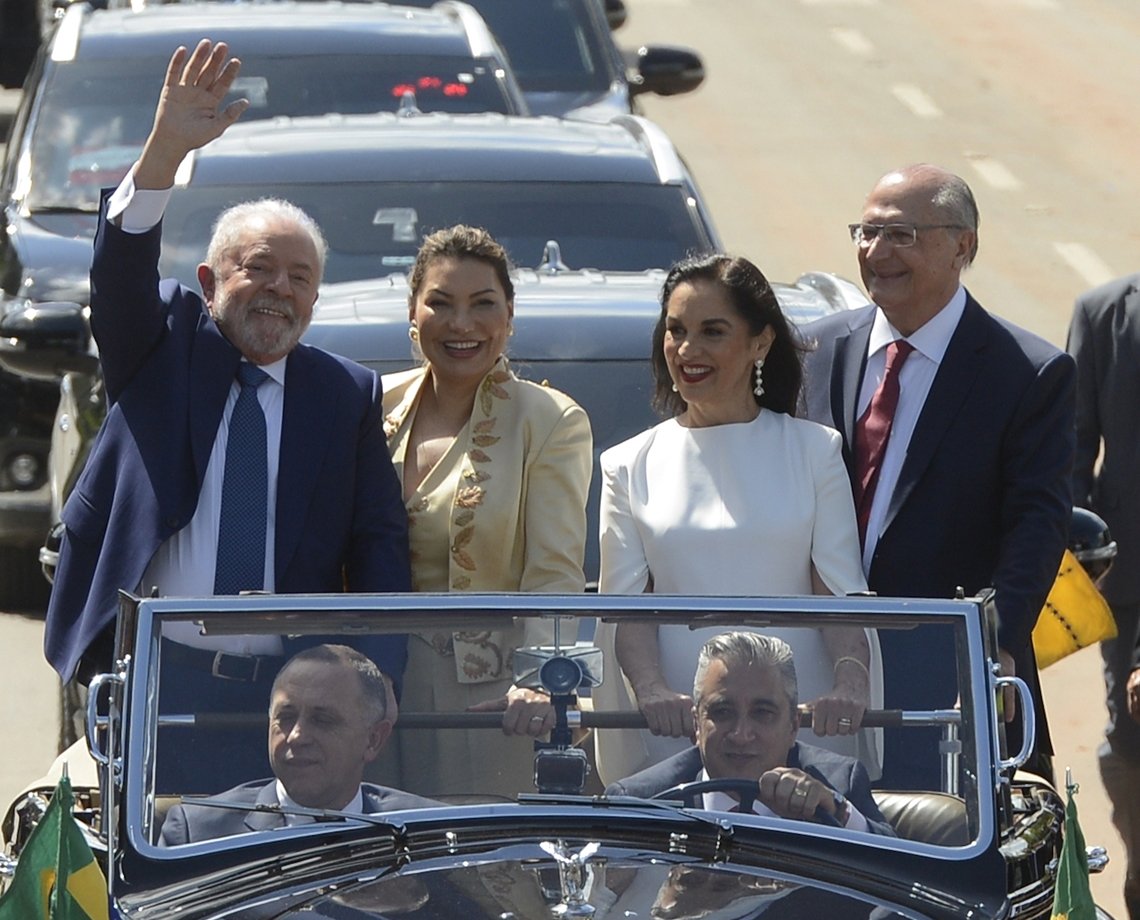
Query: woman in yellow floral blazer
x=495 y=472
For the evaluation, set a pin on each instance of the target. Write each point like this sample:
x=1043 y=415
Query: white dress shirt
x=355 y=807
x=184 y=565
x=930 y=342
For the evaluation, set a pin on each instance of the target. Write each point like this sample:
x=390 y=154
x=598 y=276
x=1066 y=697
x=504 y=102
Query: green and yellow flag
x=1072 y=898
x=57 y=877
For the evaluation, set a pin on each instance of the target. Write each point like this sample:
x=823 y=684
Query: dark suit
x=983 y=498
x=843 y=774
x=1104 y=338
x=190 y=823
x=340 y=519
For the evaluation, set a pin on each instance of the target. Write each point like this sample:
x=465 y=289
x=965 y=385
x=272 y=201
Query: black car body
x=567 y=62
x=585 y=332
x=88 y=107
x=982 y=845
x=615 y=195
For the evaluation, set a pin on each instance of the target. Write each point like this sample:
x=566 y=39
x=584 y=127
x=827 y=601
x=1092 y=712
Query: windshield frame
x=300 y=615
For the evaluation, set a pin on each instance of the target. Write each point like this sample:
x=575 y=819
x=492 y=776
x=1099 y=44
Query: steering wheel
x=745 y=789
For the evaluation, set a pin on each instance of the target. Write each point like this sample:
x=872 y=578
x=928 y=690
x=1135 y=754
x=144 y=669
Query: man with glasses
x=958 y=431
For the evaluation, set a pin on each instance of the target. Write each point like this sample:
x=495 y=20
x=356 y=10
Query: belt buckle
x=220 y=658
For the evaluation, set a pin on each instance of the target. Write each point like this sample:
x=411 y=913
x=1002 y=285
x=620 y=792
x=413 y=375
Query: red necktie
x=872 y=432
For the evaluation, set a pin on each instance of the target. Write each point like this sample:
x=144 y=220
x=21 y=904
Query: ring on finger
x=845 y=722
x=800 y=792
x=538 y=718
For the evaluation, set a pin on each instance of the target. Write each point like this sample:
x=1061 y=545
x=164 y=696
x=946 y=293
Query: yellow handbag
x=1075 y=615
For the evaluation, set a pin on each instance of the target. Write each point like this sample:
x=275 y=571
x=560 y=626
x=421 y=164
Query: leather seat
x=931 y=817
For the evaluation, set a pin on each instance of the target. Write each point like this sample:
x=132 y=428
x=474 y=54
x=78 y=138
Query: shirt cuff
x=855 y=819
x=135 y=210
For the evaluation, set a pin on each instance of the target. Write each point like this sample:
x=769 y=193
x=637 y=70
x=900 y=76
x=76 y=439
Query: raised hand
x=189 y=113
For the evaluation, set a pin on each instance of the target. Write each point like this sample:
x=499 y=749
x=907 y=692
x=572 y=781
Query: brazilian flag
x=57 y=877
x=1072 y=898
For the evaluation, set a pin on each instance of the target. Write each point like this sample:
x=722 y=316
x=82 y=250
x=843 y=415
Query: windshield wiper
x=319 y=815
x=671 y=806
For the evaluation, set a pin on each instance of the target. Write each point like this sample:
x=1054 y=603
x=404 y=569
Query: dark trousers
x=218 y=753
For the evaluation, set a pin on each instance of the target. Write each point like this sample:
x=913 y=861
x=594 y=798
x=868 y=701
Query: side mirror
x=666 y=70
x=46 y=340
x=616 y=13
x=1091 y=542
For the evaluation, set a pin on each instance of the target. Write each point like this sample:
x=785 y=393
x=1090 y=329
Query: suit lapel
x=306 y=425
x=265 y=820
x=847 y=376
x=213 y=366
x=952 y=384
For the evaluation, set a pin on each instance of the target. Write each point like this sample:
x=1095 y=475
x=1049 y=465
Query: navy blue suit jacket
x=983 y=498
x=843 y=774
x=190 y=823
x=340 y=524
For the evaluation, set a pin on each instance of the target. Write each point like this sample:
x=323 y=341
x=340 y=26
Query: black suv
x=611 y=196
x=86 y=110
x=567 y=62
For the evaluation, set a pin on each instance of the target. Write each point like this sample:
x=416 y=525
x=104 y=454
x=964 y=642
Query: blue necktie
x=245 y=492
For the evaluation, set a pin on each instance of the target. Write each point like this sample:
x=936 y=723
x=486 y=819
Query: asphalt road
x=807 y=102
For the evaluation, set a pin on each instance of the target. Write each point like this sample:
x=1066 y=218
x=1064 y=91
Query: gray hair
x=748 y=648
x=954 y=197
x=232 y=223
x=373 y=684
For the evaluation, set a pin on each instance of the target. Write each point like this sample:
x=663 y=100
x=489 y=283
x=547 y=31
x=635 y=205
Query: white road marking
x=854 y=41
x=994 y=172
x=1085 y=263
x=916 y=100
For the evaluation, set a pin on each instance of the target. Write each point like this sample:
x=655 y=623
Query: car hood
x=53 y=252
x=547 y=861
x=585 y=105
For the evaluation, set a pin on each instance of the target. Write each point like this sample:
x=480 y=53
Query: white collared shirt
x=930 y=342
x=184 y=565
x=355 y=807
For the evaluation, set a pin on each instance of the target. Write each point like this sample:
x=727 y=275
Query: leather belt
x=224 y=665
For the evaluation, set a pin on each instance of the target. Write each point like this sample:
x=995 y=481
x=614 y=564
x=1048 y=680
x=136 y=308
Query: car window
x=375 y=229
x=570 y=55
x=86 y=137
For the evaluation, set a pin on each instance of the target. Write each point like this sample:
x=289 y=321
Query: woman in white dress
x=732 y=495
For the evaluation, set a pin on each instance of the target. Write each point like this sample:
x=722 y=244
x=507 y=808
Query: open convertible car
x=976 y=838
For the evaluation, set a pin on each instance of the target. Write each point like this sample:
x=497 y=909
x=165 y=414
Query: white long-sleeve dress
x=741 y=509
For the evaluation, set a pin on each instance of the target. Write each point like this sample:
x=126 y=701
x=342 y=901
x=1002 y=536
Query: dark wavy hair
x=755 y=301
x=461 y=242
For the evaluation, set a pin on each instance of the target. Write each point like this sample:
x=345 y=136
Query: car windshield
x=264 y=754
x=376 y=228
x=86 y=138
x=570 y=56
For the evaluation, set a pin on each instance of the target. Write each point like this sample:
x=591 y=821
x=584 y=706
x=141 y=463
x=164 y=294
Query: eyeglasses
x=898 y=235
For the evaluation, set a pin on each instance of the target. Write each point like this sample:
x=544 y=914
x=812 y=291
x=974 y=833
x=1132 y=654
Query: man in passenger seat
x=331 y=711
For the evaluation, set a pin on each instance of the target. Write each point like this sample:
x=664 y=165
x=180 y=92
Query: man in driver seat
x=331 y=711
x=744 y=709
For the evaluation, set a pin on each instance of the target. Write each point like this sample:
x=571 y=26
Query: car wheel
x=22 y=583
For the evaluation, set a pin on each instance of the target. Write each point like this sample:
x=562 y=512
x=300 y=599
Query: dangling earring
x=413 y=333
x=758 y=389
x=674 y=388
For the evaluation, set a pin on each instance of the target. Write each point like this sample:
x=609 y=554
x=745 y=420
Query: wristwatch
x=842 y=809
